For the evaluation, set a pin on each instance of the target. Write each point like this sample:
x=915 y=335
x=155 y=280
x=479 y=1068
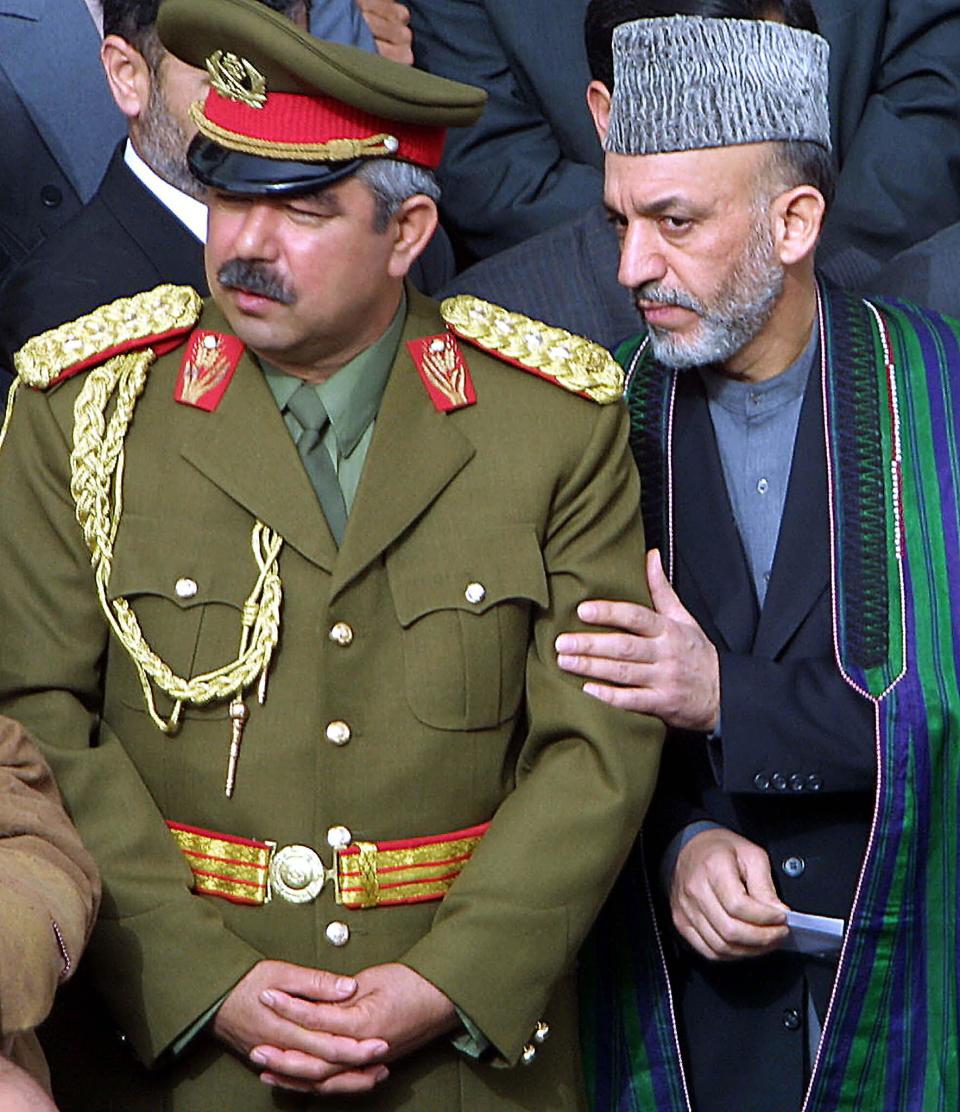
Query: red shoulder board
x=444 y=371
x=207 y=368
x=157 y=319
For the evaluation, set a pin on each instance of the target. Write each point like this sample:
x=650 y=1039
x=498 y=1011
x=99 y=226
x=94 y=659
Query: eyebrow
x=325 y=199
x=661 y=205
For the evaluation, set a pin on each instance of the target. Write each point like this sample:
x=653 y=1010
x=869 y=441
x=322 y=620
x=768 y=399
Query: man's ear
x=598 y=101
x=797 y=218
x=128 y=75
x=416 y=221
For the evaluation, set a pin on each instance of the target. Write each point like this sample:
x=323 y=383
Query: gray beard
x=163 y=145
x=736 y=315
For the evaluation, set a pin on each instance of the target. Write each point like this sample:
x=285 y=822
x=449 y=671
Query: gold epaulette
x=128 y=323
x=573 y=362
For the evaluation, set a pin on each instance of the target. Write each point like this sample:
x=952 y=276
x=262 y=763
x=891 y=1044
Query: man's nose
x=256 y=238
x=641 y=258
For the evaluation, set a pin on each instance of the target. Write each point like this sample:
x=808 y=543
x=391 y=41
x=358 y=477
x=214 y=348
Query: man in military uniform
x=283 y=574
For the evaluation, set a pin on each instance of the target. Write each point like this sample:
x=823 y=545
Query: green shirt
x=351 y=397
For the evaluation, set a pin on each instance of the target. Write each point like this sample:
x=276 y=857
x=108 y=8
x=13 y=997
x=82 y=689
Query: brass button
x=391 y=144
x=541 y=1032
x=475 y=593
x=338 y=733
x=185 y=588
x=341 y=634
x=339 y=837
x=297 y=874
x=338 y=934
x=528 y=1054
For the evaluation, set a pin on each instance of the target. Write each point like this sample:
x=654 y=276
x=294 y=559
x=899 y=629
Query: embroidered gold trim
x=376 y=877
x=96 y=464
x=333 y=150
x=576 y=363
x=370 y=896
x=249 y=856
x=164 y=309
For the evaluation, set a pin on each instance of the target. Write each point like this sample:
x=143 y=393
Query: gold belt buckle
x=297 y=874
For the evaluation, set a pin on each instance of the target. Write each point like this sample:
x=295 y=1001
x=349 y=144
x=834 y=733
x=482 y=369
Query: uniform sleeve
x=512 y=923
x=49 y=882
x=151 y=929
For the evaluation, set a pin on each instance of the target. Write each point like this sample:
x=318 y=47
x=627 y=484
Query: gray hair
x=392 y=182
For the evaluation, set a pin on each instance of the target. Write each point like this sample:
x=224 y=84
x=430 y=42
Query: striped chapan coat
x=891 y=414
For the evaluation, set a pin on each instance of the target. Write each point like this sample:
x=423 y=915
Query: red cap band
x=299 y=127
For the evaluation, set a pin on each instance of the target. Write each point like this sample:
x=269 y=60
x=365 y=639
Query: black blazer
x=58 y=119
x=122 y=242
x=793 y=769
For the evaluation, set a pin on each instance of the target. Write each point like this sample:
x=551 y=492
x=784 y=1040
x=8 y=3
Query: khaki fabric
x=457 y=711
x=48 y=883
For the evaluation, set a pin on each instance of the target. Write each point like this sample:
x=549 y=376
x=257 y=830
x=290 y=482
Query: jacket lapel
x=801 y=566
x=416 y=451
x=173 y=251
x=712 y=576
x=244 y=447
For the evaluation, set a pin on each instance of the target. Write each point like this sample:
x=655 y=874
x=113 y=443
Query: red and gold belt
x=364 y=874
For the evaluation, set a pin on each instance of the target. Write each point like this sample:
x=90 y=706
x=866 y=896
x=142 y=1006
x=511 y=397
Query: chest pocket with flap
x=187 y=589
x=465 y=608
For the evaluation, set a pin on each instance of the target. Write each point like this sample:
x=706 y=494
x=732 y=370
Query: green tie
x=310 y=412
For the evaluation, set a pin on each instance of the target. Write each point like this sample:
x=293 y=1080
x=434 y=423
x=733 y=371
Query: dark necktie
x=310 y=412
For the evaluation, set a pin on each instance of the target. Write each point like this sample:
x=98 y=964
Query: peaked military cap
x=288 y=113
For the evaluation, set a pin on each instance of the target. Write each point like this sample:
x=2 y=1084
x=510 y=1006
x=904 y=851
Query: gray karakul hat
x=684 y=83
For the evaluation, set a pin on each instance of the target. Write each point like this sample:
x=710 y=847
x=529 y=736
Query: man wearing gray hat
x=797 y=450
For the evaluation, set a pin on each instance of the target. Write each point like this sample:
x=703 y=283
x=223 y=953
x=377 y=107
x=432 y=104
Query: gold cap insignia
x=237 y=79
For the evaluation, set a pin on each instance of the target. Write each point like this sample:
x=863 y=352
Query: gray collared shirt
x=756 y=427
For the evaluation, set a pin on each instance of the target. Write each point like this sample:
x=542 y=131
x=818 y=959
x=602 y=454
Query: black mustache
x=254 y=277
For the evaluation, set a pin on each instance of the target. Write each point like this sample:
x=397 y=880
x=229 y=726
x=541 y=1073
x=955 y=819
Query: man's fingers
x=622 y=672
x=758 y=879
x=312 y=984
x=335 y=1047
x=738 y=904
x=628 y=616
x=306 y=1066
x=350 y=1081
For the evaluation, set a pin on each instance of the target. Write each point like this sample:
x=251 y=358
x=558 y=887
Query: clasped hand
x=660 y=663
x=317 y=1032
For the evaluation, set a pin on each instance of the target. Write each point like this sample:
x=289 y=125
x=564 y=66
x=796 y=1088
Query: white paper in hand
x=813 y=934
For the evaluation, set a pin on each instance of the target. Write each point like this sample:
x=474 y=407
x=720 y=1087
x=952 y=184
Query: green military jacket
x=456 y=711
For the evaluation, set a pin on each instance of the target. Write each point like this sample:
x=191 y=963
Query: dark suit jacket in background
x=566 y=276
x=122 y=242
x=928 y=273
x=533 y=160
x=58 y=119
x=895 y=112
x=895 y=119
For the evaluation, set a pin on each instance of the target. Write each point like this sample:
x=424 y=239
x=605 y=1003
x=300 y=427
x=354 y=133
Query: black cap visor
x=234 y=172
